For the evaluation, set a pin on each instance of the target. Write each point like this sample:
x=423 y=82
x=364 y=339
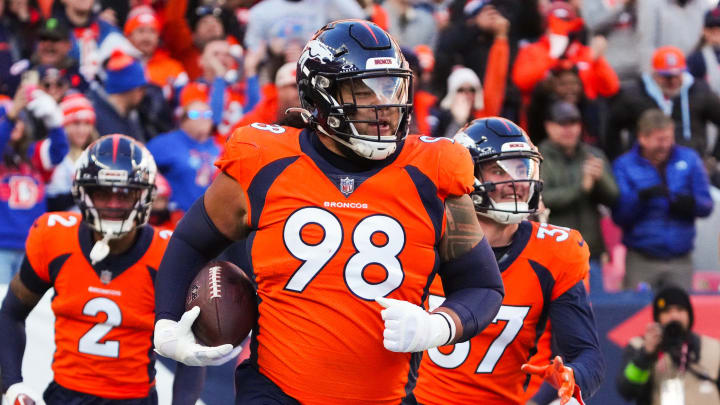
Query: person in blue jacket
x=663 y=188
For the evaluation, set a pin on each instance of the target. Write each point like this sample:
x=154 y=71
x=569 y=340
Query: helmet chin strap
x=110 y=230
x=363 y=148
x=506 y=216
x=100 y=249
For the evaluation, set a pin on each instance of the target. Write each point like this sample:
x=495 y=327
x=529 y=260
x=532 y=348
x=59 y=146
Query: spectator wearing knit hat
x=143 y=30
x=116 y=106
x=671 y=364
x=466 y=99
x=79 y=124
x=186 y=156
x=690 y=103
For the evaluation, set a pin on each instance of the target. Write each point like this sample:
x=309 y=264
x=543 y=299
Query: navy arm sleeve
x=194 y=242
x=187 y=384
x=473 y=288
x=12 y=324
x=574 y=333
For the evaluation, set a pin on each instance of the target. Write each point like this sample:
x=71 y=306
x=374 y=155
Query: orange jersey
x=543 y=263
x=104 y=315
x=326 y=242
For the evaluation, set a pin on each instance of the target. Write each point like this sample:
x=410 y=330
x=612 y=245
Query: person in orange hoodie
x=561 y=47
x=143 y=28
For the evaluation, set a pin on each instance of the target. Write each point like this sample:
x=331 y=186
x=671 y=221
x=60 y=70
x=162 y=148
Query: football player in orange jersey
x=102 y=265
x=346 y=223
x=543 y=268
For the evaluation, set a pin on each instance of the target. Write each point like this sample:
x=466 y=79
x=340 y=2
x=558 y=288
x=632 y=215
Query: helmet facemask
x=507 y=190
x=114 y=211
x=368 y=112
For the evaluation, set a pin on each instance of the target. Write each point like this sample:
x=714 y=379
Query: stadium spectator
x=409 y=24
x=7 y=56
x=186 y=40
x=277 y=97
x=79 y=125
x=101 y=265
x=466 y=99
x=423 y=100
x=143 y=30
x=677 y=23
x=161 y=216
x=617 y=22
x=470 y=42
x=671 y=364
x=93 y=39
x=577 y=178
x=663 y=188
x=23 y=18
x=51 y=51
x=563 y=84
x=561 y=47
x=185 y=156
x=25 y=167
x=689 y=102
x=116 y=105
x=230 y=95
x=375 y=12
x=704 y=63
x=270 y=19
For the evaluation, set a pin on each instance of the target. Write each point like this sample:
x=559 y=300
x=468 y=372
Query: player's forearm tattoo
x=462 y=231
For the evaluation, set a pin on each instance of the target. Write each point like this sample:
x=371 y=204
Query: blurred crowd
x=620 y=96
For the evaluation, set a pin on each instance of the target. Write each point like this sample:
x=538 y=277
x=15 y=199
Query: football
x=227 y=301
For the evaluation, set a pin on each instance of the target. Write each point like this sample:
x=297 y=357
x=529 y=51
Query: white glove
x=45 y=108
x=409 y=328
x=175 y=340
x=21 y=388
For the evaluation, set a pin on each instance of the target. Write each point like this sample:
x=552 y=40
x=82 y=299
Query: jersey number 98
x=316 y=255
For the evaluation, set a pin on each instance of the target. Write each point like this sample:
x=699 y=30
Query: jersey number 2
x=316 y=256
x=514 y=316
x=90 y=342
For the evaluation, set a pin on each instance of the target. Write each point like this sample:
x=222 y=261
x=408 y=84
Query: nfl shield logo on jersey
x=347 y=186
x=106 y=276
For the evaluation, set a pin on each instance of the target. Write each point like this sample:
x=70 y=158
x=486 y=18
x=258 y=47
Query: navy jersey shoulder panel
x=519 y=242
x=427 y=190
x=152 y=272
x=30 y=278
x=261 y=183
